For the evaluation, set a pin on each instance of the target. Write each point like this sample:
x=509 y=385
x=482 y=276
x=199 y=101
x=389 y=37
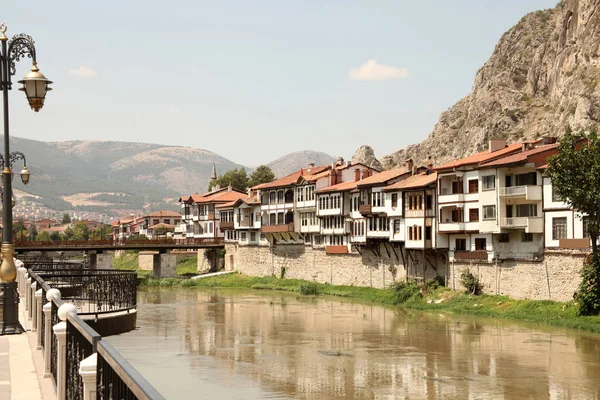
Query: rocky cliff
x=366 y=155
x=542 y=76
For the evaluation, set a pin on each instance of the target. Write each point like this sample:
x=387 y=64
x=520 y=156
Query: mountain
x=300 y=159
x=542 y=76
x=114 y=176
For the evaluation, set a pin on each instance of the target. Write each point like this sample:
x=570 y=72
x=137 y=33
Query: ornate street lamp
x=35 y=86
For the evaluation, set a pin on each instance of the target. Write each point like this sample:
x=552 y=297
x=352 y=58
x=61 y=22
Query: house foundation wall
x=378 y=269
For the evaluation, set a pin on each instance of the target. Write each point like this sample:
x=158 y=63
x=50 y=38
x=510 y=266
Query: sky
x=254 y=80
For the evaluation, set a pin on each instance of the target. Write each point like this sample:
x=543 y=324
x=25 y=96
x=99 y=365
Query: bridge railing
x=75 y=358
x=129 y=243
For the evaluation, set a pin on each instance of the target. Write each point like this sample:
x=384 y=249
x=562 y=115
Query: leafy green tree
x=19 y=231
x=575 y=175
x=237 y=178
x=79 y=231
x=263 y=174
x=56 y=236
x=66 y=219
x=33 y=232
x=43 y=236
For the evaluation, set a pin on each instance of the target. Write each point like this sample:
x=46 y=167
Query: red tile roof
x=414 y=182
x=523 y=157
x=164 y=213
x=481 y=157
x=227 y=205
x=340 y=187
x=382 y=177
x=292 y=178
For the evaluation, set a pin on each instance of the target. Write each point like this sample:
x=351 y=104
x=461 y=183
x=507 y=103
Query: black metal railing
x=97 y=291
x=117 y=379
x=81 y=343
x=53 y=265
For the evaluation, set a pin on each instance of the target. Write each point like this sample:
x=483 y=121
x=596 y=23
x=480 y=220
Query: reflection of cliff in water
x=330 y=348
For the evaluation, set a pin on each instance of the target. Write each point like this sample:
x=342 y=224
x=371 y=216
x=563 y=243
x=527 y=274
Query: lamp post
x=35 y=86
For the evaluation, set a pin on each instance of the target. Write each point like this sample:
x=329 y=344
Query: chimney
x=356 y=174
x=409 y=164
x=332 y=178
x=365 y=173
x=340 y=161
x=415 y=170
x=548 y=140
x=496 y=144
x=311 y=165
x=526 y=146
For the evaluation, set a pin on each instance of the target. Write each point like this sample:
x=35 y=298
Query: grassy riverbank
x=130 y=262
x=432 y=299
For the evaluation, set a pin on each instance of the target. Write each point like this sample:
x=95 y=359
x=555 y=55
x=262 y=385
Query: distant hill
x=114 y=176
x=300 y=159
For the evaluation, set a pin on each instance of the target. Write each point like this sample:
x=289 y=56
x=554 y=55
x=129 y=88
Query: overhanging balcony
x=277 y=228
x=451 y=226
x=530 y=224
x=525 y=192
x=470 y=255
x=226 y=225
x=365 y=209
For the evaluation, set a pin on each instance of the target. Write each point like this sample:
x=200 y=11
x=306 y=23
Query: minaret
x=213 y=178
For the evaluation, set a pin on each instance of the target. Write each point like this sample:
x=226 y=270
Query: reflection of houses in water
x=276 y=341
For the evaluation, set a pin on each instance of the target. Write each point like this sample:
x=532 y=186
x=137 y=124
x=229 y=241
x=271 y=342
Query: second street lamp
x=35 y=86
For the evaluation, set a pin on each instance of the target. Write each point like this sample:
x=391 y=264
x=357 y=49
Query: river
x=240 y=344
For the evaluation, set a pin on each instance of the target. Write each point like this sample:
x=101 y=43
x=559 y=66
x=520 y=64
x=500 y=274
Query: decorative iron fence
x=95 y=291
x=117 y=379
x=81 y=343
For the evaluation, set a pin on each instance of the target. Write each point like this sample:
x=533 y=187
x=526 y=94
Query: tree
x=19 y=230
x=55 y=236
x=33 y=232
x=43 y=236
x=263 y=174
x=575 y=175
x=66 y=219
x=79 y=231
x=237 y=178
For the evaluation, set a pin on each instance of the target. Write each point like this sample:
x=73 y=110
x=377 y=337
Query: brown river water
x=240 y=344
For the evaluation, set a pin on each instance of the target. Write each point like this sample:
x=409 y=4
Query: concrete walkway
x=21 y=369
x=212 y=274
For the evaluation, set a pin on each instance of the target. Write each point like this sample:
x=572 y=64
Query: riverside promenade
x=21 y=367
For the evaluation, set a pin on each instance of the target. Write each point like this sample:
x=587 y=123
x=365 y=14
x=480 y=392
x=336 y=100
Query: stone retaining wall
x=313 y=264
x=554 y=278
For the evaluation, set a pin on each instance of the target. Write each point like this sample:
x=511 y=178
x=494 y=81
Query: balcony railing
x=530 y=192
x=245 y=223
x=277 y=228
x=419 y=213
x=530 y=224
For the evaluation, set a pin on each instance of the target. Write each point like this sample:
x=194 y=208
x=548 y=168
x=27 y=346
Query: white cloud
x=83 y=72
x=371 y=71
x=173 y=109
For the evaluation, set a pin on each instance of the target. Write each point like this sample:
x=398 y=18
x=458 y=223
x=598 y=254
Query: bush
x=588 y=293
x=470 y=283
x=432 y=284
x=309 y=289
x=404 y=291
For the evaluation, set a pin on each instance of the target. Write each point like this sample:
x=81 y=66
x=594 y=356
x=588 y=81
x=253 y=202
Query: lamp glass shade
x=25 y=174
x=12 y=201
x=35 y=86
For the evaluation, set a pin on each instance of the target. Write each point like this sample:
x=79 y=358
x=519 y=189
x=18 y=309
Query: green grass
x=188 y=266
x=126 y=262
x=537 y=311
